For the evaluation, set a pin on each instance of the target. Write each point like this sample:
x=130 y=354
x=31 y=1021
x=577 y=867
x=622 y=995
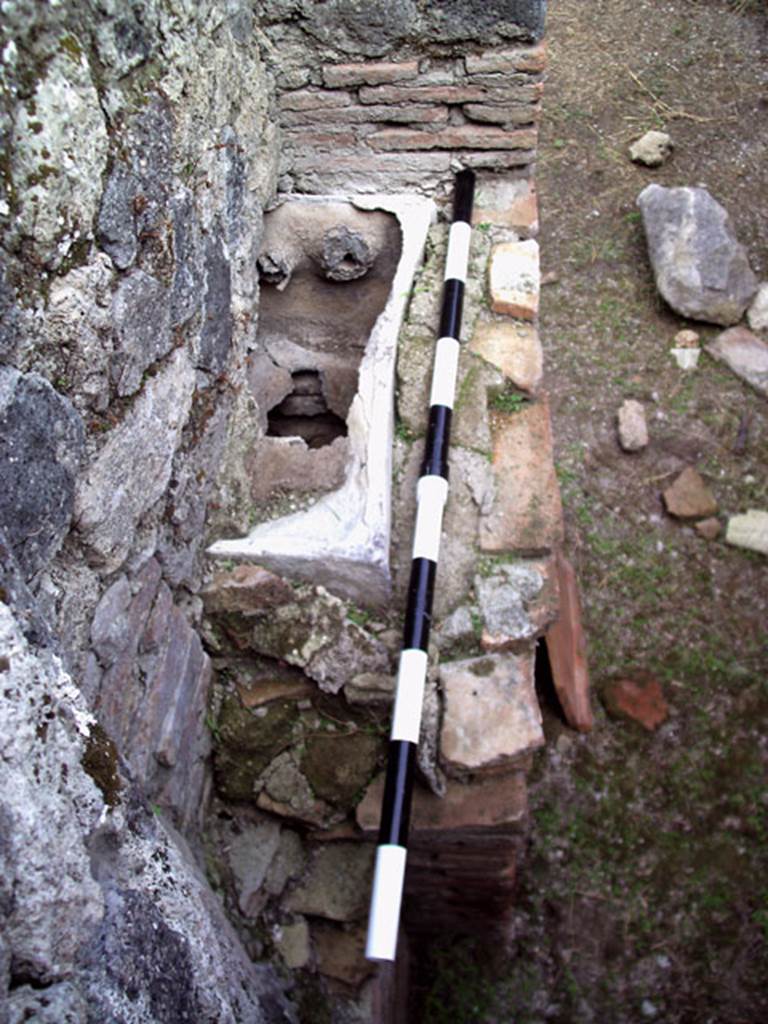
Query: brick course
x=461 y=137
x=313 y=99
x=376 y=117
x=368 y=74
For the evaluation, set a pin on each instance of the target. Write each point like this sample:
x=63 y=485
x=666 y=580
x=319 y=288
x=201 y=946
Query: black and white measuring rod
x=431 y=495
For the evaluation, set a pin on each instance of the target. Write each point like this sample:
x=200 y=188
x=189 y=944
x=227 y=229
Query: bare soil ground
x=645 y=893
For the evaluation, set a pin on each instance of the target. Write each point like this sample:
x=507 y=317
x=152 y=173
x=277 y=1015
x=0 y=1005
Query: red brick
x=505 y=113
x=496 y=803
x=313 y=99
x=368 y=74
x=460 y=137
x=529 y=60
x=567 y=651
x=527 y=514
x=423 y=94
x=321 y=140
x=409 y=114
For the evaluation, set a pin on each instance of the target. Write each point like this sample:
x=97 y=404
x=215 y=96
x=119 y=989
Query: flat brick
x=423 y=94
x=514 y=279
x=505 y=113
x=499 y=802
x=508 y=204
x=369 y=74
x=526 y=515
x=321 y=140
x=529 y=60
x=408 y=114
x=494 y=160
x=567 y=650
x=357 y=163
x=459 y=137
x=499 y=90
x=491 y=716
x=313 y=99
x=513 y=348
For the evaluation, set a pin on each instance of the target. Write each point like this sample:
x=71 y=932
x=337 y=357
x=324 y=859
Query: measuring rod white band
x=444 y=372
x=431 y=495
x=458 y=251
x=411 y=675
x=387 y=896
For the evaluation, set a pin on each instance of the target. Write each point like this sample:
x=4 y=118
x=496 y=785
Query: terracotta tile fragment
x=638 y=700
x=527 y=514
x=567 y=650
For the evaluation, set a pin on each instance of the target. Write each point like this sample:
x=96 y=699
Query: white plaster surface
x=342 y=541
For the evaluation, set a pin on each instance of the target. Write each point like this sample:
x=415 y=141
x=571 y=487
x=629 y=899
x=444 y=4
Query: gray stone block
x=700 y=268
x=216 y=333
x=132 y=470
x=457 y=21
x=142 y=326
x=41 y=447
x=116 y=224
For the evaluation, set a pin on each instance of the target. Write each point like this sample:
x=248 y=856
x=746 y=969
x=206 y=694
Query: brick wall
x=392 y=125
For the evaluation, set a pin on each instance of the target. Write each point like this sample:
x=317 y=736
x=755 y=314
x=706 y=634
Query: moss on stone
x=338 y=767
x=483 y=667
x=71 y=46
x=100 y=761
x=246 y=741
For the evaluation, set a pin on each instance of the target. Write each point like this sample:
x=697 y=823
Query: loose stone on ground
x=745 y=354
x=633 y=429
x=700 y=267
x=749 y=531
x=757 y=314
x=689 y=497
x=652 y=149
x=709 y=529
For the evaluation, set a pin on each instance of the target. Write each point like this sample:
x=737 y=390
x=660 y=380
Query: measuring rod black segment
x=431 y=496
x=418 y=615
x=396 y=806
x=438 y=439
x=453 y=303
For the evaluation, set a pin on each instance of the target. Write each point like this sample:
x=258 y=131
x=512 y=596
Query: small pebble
x=686 y=339
x=709 y=529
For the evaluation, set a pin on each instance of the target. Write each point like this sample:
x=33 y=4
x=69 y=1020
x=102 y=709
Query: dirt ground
x=645 y=893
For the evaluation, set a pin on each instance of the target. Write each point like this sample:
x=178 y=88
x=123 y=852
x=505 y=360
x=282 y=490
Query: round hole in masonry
x=304 y=413
x=343 y=326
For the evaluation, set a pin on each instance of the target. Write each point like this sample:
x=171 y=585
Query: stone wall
x=131 y=191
